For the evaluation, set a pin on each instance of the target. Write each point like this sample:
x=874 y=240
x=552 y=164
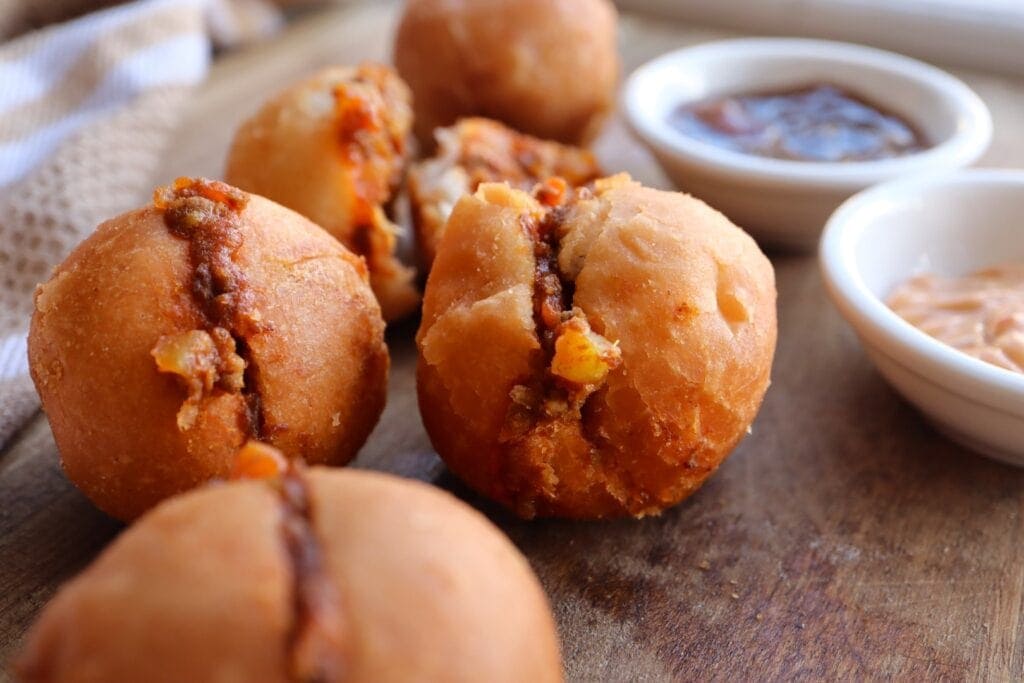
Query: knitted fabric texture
x=88 y=108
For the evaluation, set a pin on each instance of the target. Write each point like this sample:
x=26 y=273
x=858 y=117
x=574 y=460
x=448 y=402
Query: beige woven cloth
x=86 y=109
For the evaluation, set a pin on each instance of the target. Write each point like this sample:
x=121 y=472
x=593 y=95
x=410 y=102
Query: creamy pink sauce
x=981 y=314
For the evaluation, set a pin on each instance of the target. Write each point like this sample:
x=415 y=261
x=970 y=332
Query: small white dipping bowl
x=948 y=224
x=783 y=202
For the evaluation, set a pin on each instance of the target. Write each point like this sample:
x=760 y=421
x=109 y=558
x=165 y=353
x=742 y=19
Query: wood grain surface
x=844 y=539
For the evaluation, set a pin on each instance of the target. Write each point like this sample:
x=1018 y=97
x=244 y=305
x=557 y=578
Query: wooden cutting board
x=843 y=539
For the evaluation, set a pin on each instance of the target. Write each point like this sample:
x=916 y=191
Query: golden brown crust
x=686 y=296
x=334 y=148
x=324 y=364
x=460 y=603
x=545 y=67
x=131 y=615
x=204 y=589
x=116 y=417
x=475 y=151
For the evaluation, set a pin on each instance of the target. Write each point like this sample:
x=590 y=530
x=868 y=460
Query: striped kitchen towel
x=86 y=109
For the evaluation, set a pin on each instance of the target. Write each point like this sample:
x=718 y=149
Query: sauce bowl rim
x=969 y=140
x=880 y=326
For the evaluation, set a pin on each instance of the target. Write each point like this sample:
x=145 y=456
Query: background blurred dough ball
x=171 y=335
x=334 y=147
x=545 y=67
x=596 y=359
x=372 y=579
x=477 y=150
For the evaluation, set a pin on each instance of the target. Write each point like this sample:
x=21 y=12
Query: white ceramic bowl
x=785 y=202
x=949 y=224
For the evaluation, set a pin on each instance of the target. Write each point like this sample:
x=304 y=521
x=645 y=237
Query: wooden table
x=843 y=539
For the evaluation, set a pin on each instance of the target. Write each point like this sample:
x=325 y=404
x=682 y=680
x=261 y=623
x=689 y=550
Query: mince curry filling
x=576 y=360
x=356 y=118
x=217 y=358
x=318 y=641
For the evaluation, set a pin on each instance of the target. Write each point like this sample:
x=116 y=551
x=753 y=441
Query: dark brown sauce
x=820 y=122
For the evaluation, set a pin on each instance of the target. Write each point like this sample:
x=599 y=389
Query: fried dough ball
x=545 y=67
x=322 y=576
x=177 y=331
x=596 y=358
x=334 y=148
x=478 y=150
